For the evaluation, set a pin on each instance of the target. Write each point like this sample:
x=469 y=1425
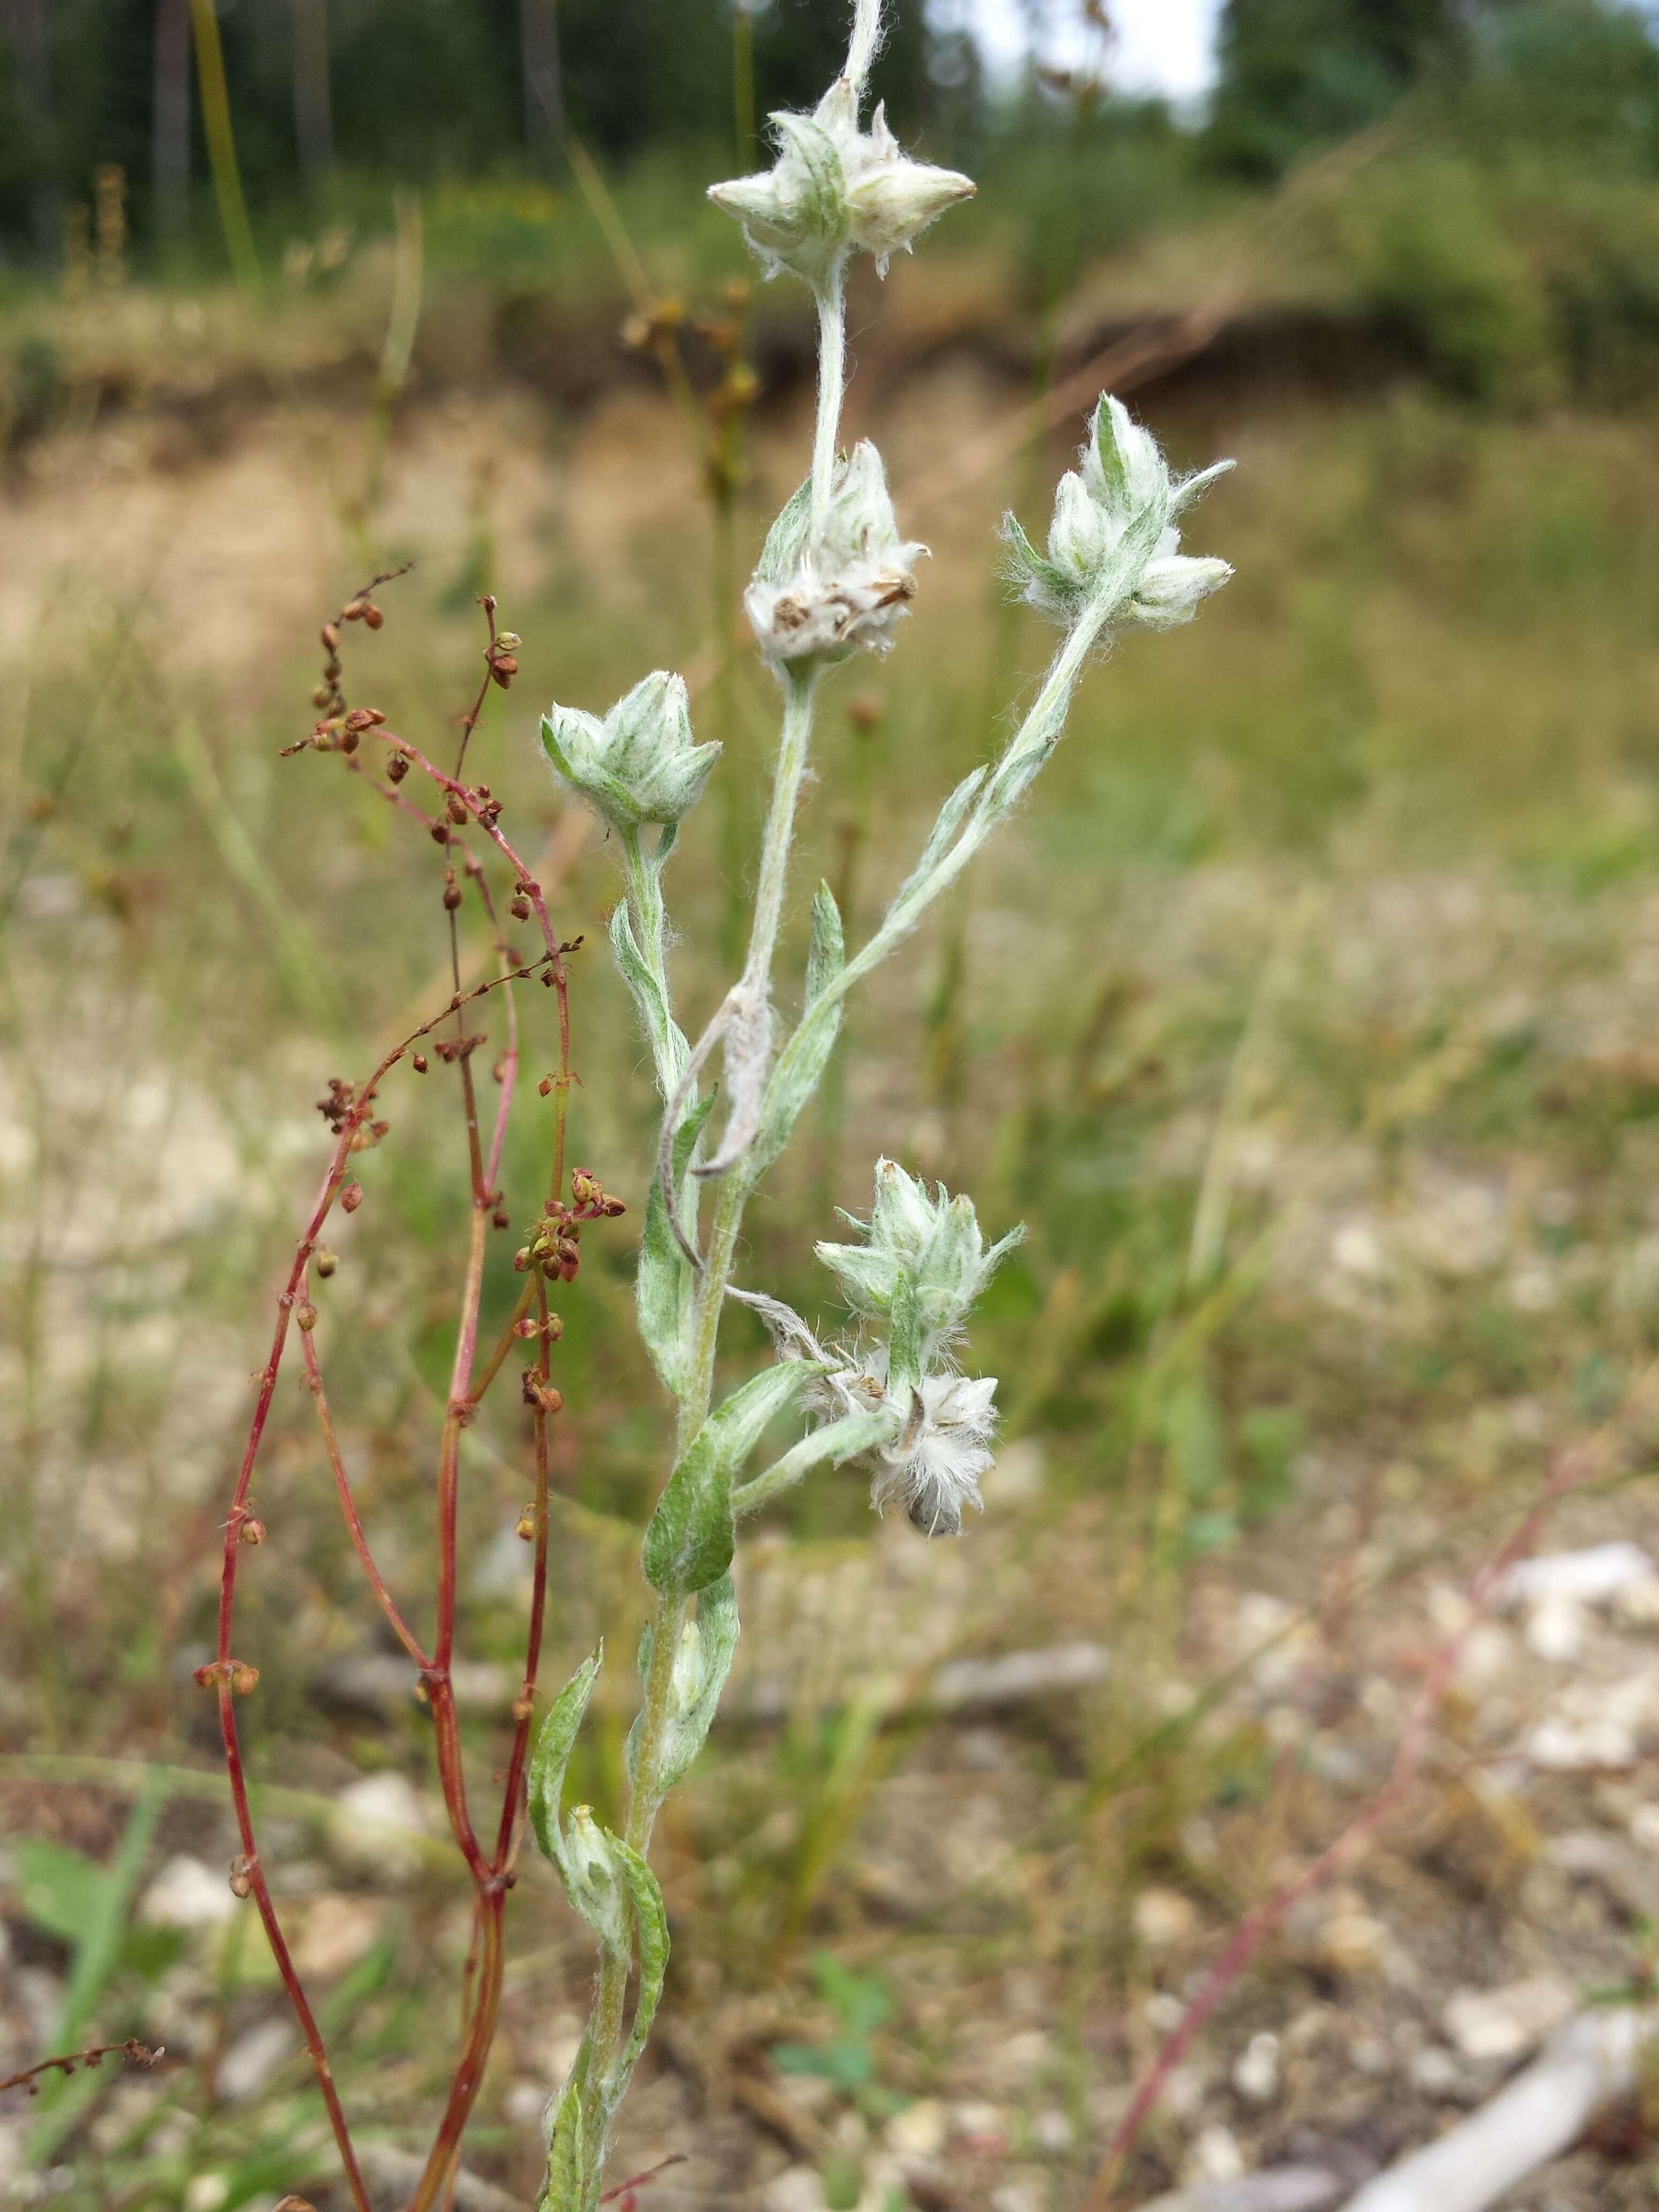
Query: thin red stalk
x=469 y=2074
x=333 y=1181
x=503 y=1345
x=1574 y=1469
x=525 y=1709
x=507 y=1068
x=349 y=1504
x=260 y=1888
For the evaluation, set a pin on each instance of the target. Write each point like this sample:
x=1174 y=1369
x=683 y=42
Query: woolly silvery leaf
x=785 y=1098
x=934 y=1469
x=1113 y=537
x=746 y=1044
x=702 y=1664
x=651 y=1930
x=662 y=1285
x=835 y=189
x=925 y=1246
x=570 y=2185
x=594 y=1878
x=690 y=1539
x=554 y=1744
x=639 y=764
x=820 y=596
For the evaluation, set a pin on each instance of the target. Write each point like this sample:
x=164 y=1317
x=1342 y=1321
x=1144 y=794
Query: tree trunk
x=313 y=112
x=543 y=108
x=170 y=117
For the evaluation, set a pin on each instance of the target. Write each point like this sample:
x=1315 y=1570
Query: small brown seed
x=252 y=1530
x=306 y=1317
x=374 y=617
x=420 y=1063
x=327 y=1262
x=351 y=1197
x=331 y=638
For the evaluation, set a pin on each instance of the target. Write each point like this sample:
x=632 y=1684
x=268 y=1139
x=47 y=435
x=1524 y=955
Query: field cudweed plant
x=835 y=579
x=836 y=576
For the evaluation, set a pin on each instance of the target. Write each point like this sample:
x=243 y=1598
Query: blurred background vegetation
x=1307 y=1018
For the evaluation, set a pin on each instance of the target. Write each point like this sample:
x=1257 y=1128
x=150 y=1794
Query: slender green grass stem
x=221 y=149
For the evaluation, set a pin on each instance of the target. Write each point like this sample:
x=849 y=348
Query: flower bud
x=927 y=1240
x=1113 y=534
x=639 y=764
x=591 y=1880
x=822 y=596
x=836 y=190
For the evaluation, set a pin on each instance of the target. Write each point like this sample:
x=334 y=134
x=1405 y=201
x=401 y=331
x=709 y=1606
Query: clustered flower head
x=835 y=189
x=1113 y=531
x=923 y=1241
x=820 y=594
x=922 y=1263
x=639 y=764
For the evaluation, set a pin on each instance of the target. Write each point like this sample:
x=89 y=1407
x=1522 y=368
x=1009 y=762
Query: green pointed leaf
x=826 y=953
x=554 y=1744
x=905 y=1342
x=687 y=1731
x=690 y=1541
x=795 y=1079
x=567 y=2188
x=656 y=1020
x=651 y=1926
x=786 y=541
x=662 y=1286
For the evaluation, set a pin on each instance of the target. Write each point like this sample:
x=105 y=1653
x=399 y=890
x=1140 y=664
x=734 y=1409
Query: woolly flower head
x=933 y=1469
x=819 y=594
x=924 y=1243
x=836 y=190
x=640 y=763
x=1113 y=532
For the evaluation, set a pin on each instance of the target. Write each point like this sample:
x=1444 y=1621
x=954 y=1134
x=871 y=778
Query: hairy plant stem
x=832 y=386
x=732 y=1193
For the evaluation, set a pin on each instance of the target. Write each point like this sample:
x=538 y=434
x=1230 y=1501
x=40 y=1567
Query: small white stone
x=379 y=1822
x=1557 y=1628
x=525 y=2103
x=1255 y=2073
x=253 y=2058
x=1493 y=2026
x=1592 y=1575
x=1216 y=2155
x=980 y=2128
x=797 y=2189
x=205 y=2192
x=1053 y=2133
x=187 y=1892
x=1566 y=1749
x=1436 y=2072
x=1164 y=1918
x=919 y=2131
